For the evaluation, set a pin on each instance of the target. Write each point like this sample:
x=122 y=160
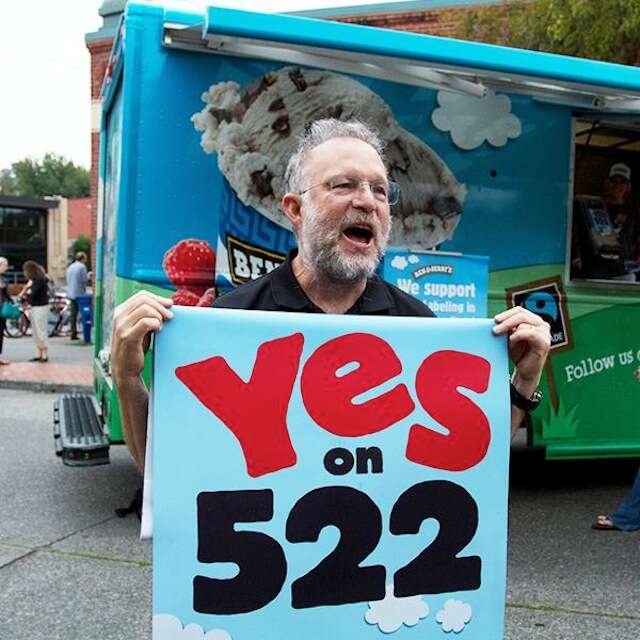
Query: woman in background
x=4 y=297
x=37 y=292
x=627 y=516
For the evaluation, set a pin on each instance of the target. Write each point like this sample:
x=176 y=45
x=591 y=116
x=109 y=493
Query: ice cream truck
x=513 y=155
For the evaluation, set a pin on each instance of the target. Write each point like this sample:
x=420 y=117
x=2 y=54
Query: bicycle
x=59 y=319
x=60 y=316
x=21 y=326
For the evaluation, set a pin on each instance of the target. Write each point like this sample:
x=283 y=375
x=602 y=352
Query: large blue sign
x=452 y=286
x=328 y=477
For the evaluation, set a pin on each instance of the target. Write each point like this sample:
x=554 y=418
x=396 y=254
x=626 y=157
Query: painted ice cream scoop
x=255 y=131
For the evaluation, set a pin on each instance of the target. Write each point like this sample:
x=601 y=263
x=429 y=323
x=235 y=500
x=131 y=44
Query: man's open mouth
x=359 y=234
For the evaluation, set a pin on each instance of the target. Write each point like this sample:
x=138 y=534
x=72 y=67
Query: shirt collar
x=286 y=290
x=288 y=293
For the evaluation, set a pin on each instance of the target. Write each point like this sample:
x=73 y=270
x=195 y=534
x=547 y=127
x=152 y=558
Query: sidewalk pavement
x=69 y=368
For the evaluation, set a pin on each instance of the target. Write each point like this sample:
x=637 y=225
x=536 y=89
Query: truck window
x=110 y=207
x=605 y=223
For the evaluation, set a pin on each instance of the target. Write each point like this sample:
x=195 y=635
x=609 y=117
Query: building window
x=23 y=235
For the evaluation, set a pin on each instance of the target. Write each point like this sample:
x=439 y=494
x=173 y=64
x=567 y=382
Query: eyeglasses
x=344 y=186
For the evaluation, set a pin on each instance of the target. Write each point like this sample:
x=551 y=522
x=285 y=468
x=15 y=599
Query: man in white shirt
x=76 y=286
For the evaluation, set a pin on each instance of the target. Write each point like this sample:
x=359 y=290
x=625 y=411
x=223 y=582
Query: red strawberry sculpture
x=190 y=266
x=185 y=298
x=207 y=299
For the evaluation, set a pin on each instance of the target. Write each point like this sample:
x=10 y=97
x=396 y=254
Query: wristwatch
x=522 y=402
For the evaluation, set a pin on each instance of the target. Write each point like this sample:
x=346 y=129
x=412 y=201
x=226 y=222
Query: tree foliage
x=7 y=182
x=81 y=243
x=598 y=29
x=51 y=176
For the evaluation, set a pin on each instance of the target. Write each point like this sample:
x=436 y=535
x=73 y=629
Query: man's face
x=618 y=188
x=343 y=232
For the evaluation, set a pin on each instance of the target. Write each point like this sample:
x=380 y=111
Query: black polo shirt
x=280 y=291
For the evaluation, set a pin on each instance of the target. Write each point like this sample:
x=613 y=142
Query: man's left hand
x=529 y=344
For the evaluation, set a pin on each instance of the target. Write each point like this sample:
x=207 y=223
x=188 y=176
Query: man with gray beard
x=338 y=201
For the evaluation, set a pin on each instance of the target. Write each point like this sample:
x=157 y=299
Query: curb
x=45 y=387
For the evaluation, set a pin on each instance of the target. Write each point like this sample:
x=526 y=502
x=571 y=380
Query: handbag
x=10 y=311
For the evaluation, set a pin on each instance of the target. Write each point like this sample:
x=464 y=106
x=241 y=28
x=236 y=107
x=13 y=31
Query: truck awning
x=426 y=61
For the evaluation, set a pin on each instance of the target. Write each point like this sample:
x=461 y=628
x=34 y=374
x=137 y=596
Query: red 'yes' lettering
x=437 y=380
x=328 y=398
x=255 y=411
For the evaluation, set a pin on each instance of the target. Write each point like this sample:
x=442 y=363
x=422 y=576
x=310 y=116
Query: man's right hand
x=133 y=322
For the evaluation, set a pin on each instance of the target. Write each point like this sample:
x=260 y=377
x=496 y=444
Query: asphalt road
x=69 y=568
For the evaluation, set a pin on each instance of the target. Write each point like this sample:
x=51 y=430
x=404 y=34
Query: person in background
x=4 y=297
x=627 y=516
x=37 y=292
x=624 y=216
x=76 y=286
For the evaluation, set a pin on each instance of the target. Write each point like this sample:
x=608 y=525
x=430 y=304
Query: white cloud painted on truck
x=471 y=121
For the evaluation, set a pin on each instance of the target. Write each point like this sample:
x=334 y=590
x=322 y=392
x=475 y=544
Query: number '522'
x=338 y=578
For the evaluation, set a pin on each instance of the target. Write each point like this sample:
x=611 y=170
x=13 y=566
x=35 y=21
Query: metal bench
x=78 y=434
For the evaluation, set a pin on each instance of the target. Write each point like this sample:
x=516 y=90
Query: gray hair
x=3 y=260
x=320 y=131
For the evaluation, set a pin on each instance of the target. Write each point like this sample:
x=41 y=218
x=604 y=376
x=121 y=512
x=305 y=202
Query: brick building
x=99 y=44
x=79 y=216
x=432 y=17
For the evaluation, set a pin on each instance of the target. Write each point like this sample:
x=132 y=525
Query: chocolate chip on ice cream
x=262 y=183
x=276 y=105
x=254 y=90
x=281 y=125
x=255 y=132
x=221 y=115
x=335 y=112
x=298 y=79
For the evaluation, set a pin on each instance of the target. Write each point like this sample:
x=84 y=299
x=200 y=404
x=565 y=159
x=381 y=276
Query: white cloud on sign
x=399 y=262
x=413 y=259
x=472 y=121
x=454 y=615
x=168 y=627
x=391 y=612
